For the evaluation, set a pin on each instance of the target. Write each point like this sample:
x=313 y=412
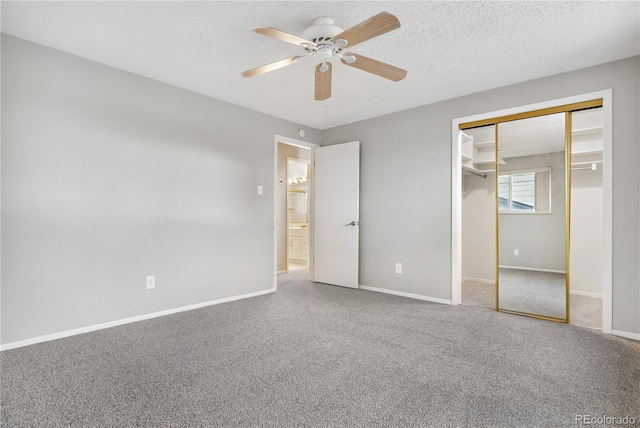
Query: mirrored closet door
x=532 y=207
x=531 y=153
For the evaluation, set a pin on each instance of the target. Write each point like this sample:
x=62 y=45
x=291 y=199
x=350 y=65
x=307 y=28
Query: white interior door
x=336 y=219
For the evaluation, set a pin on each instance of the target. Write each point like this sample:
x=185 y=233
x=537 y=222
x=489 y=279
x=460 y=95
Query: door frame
x=306 y=145
x=607 y=190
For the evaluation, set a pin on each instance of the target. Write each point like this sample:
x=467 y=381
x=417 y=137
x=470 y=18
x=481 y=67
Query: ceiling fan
x=324 y=41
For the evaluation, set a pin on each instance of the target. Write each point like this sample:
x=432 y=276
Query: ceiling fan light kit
x=325 y=41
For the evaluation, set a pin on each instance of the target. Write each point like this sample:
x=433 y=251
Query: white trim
x=626 y=334
x=607 y=188
x=292 y=142
x=456 y=214
x=403 y=294
x=295 y=142
x=282 y=271
x=110 y=324
x=482 y=280
x=586 y=293
x=532 y=269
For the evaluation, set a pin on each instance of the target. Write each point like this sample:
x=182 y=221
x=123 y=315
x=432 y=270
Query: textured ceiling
x=449 y=48
x=535 y=135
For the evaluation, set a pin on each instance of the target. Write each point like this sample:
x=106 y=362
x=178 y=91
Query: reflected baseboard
x=532 y=269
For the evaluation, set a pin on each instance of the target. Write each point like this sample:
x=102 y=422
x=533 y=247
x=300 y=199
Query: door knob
x=353 y=223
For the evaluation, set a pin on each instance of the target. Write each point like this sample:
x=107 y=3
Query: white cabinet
x=294 y=247
x=299 y=244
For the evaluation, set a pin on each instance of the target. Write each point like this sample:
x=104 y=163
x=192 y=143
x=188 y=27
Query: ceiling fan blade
x=273 y=66
x=285 y=37
x=372 y=27
x=323 y=83
x=381 y=69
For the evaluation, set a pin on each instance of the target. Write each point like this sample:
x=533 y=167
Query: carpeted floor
x=531 y=292
x=586 y=311
x=316 y=355
x=478 y=293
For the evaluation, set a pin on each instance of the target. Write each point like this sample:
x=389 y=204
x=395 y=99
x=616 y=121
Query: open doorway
x=298 y=185
x=293 y=204
x=332 y=199
x=587 y=220
x=478 y=211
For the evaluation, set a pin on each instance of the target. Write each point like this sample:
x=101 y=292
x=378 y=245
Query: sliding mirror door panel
x=532 y=208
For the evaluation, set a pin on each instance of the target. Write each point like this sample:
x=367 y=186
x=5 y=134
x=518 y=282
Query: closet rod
x=590 y=166
x=586 y=163
x=474 y=172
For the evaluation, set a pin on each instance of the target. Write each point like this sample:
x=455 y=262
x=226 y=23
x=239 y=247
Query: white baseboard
x=626 y=334
x=482 y=280
x=533 y=269
x=586 y=293
x=282 y=271
x=95 y=327
x=403 y=294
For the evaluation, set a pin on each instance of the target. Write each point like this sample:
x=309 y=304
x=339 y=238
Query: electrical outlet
x=516 y=252
x=151 y=282
x=398 y=267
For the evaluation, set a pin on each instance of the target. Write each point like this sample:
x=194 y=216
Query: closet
x=518 y=226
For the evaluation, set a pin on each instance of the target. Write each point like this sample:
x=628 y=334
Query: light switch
x=260 y=190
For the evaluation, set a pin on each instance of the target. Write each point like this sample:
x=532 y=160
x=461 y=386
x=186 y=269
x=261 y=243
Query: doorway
x=298 y=189
x=590 y=177
x=293 y=204
x=332 y=223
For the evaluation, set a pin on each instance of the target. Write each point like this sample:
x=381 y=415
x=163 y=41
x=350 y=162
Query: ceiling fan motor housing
x=322 y=31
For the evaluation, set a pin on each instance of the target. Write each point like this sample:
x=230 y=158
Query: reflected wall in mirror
x=531 y=205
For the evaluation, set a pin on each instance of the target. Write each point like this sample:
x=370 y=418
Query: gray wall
x=479 y=227
x=539 y=238
x=586 y=231
x=405 y=200
x=108 y=177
